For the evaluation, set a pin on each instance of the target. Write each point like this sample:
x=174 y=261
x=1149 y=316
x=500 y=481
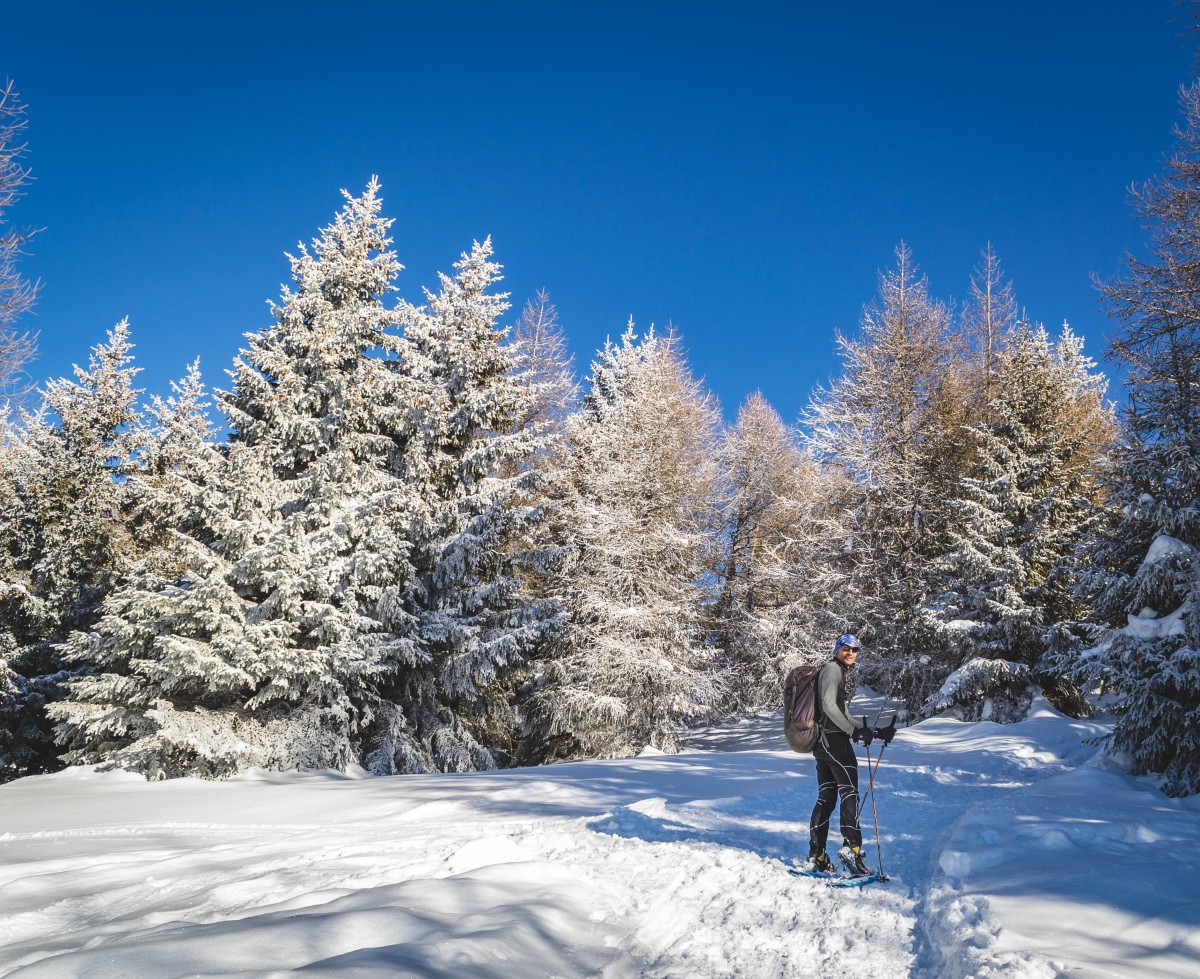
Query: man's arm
x=827 y=684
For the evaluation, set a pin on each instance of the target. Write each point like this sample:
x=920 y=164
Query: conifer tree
x=779 y=564
x=890 y=425
x=634 y=505
x=1024 y=506
x=462 y=617
x=182 y=454
x=335 y=585
x=155 y=629
x=988 y=319
x=254 y=640
x=544 y=363
x=1143 y=582
x=17 y=293
x=543 y=368
x=65 y=511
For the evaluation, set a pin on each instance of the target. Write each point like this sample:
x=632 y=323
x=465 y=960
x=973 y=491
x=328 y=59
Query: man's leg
x=827 y=793
x=844 y=768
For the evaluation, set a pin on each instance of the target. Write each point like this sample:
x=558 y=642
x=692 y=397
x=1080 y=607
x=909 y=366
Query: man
x=837 y=767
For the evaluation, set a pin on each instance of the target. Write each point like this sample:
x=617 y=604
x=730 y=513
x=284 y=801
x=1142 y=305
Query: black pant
x=837 y=774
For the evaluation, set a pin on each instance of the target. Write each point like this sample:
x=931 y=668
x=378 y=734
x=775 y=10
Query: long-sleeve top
x=832 y=699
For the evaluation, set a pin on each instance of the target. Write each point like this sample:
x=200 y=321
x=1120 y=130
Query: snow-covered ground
x=1014 y=851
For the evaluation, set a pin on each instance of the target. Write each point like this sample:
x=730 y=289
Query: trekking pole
x=874 y=809
x=888 y=697
x=870 y=780
x=873 y=770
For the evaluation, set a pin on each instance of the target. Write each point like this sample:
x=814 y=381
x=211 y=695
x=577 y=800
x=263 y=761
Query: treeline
x=408 y=537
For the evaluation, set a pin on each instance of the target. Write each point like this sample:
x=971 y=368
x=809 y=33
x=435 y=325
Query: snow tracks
x=663 y=867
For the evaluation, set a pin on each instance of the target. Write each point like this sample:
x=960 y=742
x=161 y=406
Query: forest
x=416 y=537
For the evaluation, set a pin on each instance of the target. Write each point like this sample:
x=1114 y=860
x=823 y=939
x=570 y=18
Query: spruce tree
x=336 y=584
x=254 y=639
x=1023 y=508
x=65 y=509
x=462 y=615
x=156 y=628
x=1143 y=634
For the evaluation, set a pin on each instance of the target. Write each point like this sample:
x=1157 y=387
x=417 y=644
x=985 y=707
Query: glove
x=857 y=734
x=867 y=734
x=885 y=734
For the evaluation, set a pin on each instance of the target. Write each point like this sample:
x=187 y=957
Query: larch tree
x=544 y=363
x=17 y=293
x=779 y=565
x=988 y=318
x=635 y=506
x=890 y=424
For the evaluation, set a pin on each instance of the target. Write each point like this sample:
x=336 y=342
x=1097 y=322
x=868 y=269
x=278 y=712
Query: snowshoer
x=837 y=767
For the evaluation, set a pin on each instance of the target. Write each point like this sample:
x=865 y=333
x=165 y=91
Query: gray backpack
x=801 y=726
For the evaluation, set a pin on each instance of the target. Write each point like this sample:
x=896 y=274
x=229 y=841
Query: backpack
x=801 y=726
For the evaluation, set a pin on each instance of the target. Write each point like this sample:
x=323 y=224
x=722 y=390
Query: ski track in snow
x=661 y=866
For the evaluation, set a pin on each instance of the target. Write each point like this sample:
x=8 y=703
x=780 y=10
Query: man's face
x=847 y=655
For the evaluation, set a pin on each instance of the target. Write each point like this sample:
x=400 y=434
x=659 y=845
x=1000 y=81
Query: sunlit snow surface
x=1013 y=853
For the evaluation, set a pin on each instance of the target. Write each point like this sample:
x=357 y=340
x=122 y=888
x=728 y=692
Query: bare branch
x=17 y=294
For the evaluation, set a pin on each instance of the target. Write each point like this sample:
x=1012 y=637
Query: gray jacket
x=834 y=690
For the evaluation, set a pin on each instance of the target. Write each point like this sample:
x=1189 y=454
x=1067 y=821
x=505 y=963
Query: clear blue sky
x=742 y=170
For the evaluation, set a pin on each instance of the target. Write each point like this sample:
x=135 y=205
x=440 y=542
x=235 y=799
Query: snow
x=1150 y=629
x=1015 y=851
x=1147 y=624
x=1164 y=547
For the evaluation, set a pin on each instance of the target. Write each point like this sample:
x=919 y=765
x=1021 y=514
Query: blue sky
x=740 y=170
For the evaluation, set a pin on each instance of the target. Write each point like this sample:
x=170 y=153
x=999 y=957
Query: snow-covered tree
x=635 y=504
x=543 y=367
x=1143 y=580
x=462 y=613
x=64 y=507
x=1024 y=505
x=255 y=639
x=174 y=502
x=544 y=363
x=1077 y=453
x=181 y=454
x=988 y=318
x=890 y=424
x=335 y=585
x=17 y=293
x=779 y=569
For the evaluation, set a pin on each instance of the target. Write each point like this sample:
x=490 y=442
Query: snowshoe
x=852 y=859
x=819 y=862
x=834 y=879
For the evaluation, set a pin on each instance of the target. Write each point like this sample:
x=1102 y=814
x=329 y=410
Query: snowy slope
x=1013 y=853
